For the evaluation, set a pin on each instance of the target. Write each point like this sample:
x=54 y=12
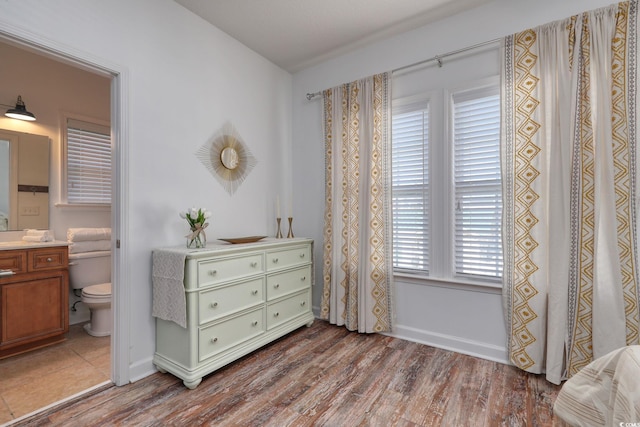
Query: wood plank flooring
x=327 y=376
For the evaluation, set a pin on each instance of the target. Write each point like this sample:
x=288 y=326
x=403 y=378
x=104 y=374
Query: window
x=88 y=171
x=446 y=185
x=477 y=183
x=410 y=172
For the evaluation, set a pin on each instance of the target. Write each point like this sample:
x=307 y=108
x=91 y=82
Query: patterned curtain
x=357 y=264
x=570 y=191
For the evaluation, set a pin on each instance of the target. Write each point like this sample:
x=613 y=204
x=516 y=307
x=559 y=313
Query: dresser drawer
x=223 y=301
x=48 y=258
x=227 y=300
x=224 y=335
x=15 y=261
x=288 y=308
x=290 y=281
x=288 y=257
x=226 y=269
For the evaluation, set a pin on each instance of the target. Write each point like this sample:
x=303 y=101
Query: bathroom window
x=88 y=163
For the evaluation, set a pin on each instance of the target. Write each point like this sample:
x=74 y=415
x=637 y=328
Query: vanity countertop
x=21 y=244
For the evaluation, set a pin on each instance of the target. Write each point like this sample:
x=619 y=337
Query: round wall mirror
x=229 y=158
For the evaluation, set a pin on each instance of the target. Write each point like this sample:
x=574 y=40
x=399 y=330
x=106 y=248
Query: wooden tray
x=236 y=240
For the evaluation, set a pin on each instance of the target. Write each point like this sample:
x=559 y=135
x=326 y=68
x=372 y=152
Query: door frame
x=120 y=269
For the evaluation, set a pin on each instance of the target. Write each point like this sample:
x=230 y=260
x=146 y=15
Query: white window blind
x=410 y=187
x=88 y=163
x=477 y=183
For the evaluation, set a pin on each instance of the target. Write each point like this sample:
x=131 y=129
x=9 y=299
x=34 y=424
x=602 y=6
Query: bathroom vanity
x=239 y=297
x=34 y=294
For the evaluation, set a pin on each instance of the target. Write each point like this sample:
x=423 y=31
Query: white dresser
x=238 y=299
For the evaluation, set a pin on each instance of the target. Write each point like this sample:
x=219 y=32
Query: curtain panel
x=570 y=191
x=357 y=271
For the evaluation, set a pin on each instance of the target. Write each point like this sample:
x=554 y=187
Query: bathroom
x=54 y=92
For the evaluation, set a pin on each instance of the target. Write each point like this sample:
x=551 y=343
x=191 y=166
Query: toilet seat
x=98 y=299
x=99 y=291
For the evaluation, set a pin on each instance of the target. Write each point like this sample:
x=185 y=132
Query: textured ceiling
x=295 y=34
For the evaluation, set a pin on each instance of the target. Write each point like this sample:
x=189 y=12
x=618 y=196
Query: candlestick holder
x=279 y=232
x=290 y=234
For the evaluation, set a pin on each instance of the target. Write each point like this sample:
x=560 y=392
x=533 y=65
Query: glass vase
x=197 y=242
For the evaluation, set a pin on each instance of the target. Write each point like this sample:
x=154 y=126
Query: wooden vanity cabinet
x=33 y=300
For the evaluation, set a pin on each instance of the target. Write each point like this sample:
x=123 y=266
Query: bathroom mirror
x=24 y=181
x=227 y=158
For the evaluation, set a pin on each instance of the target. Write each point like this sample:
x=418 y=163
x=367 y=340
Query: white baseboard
x=447 y=342
x=452 y=343
x=141 y=369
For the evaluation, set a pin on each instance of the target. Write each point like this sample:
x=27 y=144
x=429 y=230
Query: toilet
x=91 y=272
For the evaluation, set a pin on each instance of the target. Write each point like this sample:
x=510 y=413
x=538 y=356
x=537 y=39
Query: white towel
x=92 y=246
x=169 y=300
x=88 y=234
x=42 y=238
x=47 y=235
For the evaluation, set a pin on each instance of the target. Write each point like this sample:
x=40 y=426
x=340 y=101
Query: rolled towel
x=92 y=246
x=88 y=234
x=43 y=238
x=48 y=234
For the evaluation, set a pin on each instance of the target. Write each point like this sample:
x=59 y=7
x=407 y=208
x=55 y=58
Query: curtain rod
x=437 y=58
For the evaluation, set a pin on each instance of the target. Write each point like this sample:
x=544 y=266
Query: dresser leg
x=309 y=323
x=161 y=370
x=192 y=384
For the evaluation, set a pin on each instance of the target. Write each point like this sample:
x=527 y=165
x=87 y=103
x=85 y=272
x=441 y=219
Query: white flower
x=196 y=216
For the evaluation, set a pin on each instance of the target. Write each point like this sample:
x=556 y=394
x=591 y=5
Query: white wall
x=185 y=80
x=455 y=316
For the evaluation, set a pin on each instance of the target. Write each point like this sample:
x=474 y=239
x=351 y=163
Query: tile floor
x=36 y=379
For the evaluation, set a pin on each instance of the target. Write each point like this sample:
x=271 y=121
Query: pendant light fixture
x=20 y=112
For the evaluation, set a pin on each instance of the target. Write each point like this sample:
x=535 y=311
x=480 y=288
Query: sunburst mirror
x=227 y=157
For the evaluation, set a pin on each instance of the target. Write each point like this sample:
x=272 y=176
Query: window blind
x=88 y=163
x=410 y=187
x=477 y=183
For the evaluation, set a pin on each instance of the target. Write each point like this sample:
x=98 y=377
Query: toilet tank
x=89 y=268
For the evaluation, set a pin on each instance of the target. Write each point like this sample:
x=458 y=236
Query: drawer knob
x=214 y=340
x=276 y=314
x=254 y=292
x=303 y=278
x=276 y=286
x=302 y=255
x=214 y=304
x=275 y=260
x=49 y=260
x=213 y=272
x=303 y=303
x=254 y=323
x=254 y=264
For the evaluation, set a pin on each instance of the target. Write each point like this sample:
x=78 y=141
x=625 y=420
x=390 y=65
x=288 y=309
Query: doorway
x=118 y=360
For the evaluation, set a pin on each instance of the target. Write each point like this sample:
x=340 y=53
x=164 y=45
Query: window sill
x=451 y=283
x=87 y=206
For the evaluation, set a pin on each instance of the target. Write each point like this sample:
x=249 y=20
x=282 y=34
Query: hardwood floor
x=327 y=376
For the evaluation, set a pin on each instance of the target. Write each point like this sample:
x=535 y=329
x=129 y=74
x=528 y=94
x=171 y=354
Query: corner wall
x=185 y=80
x=453 y=316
